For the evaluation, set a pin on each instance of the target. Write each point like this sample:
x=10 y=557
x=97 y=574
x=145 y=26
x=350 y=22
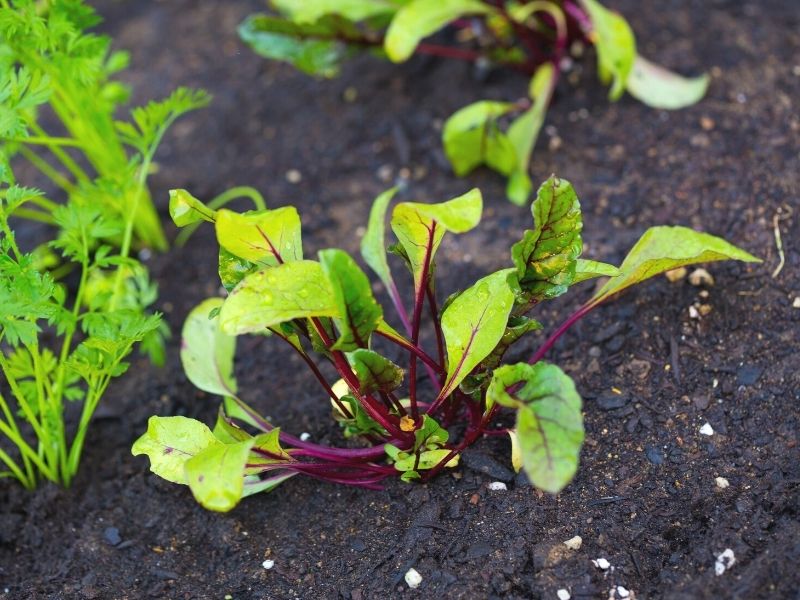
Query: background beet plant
x=535 y=38
x=411 y=422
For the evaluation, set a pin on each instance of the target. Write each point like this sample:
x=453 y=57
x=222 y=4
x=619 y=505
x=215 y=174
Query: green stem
x=48 y=171
x=12 y=424
x=69 y=164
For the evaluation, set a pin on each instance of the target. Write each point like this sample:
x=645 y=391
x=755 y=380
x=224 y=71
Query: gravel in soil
x=646 y=499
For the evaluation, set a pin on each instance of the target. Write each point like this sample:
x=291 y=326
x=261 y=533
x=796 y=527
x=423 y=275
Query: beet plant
x=539 y=38
x=411 y=409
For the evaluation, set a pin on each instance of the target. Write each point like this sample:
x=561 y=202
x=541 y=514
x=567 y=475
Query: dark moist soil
x=645 y=497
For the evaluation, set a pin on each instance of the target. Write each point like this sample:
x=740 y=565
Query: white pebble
x=724 y=561
x=622 y=592
x=701 y=277
x=268 y=564
x=574 y=543
x=305 y=436
x=563 y=594
x=413 y=578
x=707 y=429
x=796 y=303
x=693 y=313
x=722 y=483
x=498 y=486
x=602 y=563
x=294 y=176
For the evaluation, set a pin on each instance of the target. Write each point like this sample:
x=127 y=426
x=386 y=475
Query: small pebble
x=676 y=274
x=796 y=303
x=693 y=313
x=602 y=563
x=498 y=486
x=622 y=592
x=563 y=594
x=574 y=543
x=724 y=561
x=268 y=564
x=112 y=536
x=722 y=483
x=294 y=176
x=701 y=277
x=305 y=436
x=413 y=578
x=707 y=429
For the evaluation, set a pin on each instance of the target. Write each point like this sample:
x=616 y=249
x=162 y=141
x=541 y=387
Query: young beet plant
x=325 y=310
x=533 y=37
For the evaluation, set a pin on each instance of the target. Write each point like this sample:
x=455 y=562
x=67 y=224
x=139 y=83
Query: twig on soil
x=776 y=219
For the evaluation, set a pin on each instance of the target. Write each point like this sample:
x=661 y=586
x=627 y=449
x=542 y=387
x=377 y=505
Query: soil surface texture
x=646 y=498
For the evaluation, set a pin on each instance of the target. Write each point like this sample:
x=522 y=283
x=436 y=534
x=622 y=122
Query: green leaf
x=524 y=132
x=373 y=244
x=274 y=295
x=665 y=248
x=359 y=312
x=233 y=269
x=216 y=475
x=309 y=11
x=549 y=426
x=421 y=227
x=589 y=269
x=226 y=431
x=206 y=352
x=516 y=452
x=171 y=441
x=616 y=46
x=185 y=209
x=472 y=137
x=420 y=18
x=374 y=372
x=660 y=88
x=546 y=255
x=310 y=47
x=267 y=237
x=474 y=324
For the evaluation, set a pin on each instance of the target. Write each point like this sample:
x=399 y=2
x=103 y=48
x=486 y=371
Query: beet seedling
x=532 y=37
x=416 y=419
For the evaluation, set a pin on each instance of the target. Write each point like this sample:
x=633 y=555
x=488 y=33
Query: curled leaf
x=206 y=352
x=661 y=88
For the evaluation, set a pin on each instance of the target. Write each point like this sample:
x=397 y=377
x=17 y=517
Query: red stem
x=576 y=316
x=419 y=300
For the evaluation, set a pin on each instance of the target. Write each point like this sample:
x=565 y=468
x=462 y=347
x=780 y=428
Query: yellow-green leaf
x=359 y=312
x=185 y=209
x=661 y=88
x=206 y=352
x=473 y=324
x=472 y=137
x=420 y=18
x=421 y=227
x=665 y=248
x=267 y=237
x=274 y=295
x=616 y=46
x=171 y=441
x=373 y=245
x=216 y=475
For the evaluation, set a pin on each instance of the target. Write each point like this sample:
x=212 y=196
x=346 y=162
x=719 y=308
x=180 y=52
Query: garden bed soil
x=645 y=497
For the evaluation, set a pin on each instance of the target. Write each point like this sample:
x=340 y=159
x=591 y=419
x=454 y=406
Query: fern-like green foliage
x=49 y=58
